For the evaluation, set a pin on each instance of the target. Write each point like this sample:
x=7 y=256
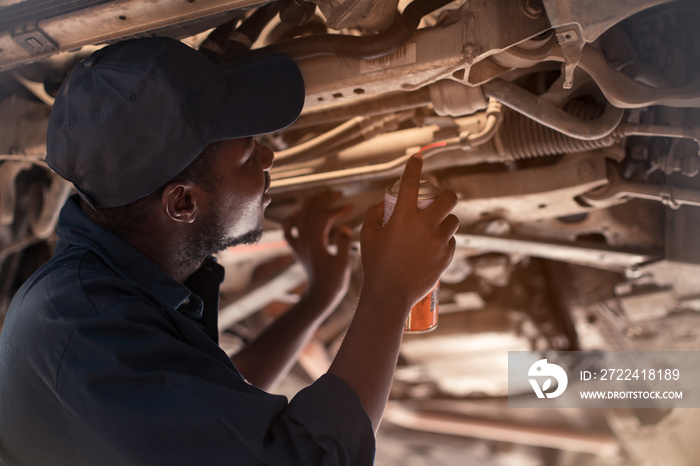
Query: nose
x=267 y=157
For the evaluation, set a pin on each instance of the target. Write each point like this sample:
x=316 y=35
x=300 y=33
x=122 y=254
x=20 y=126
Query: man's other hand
x=308 y=232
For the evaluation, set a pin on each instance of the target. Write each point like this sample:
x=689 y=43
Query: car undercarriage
x=568 y=129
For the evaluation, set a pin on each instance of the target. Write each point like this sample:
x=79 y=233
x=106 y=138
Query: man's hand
x=328 y=274
x=405 y=258
x=269 y=358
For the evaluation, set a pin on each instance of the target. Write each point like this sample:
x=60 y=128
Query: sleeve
x=134 y=392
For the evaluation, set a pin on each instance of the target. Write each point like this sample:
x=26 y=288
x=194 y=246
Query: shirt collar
x=75 y=229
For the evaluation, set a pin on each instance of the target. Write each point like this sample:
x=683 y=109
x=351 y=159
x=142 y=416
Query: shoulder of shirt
x=76 y=284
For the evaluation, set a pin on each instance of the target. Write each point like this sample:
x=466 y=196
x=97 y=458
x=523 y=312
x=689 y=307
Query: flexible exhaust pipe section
x=550 y=115
x=522 y=138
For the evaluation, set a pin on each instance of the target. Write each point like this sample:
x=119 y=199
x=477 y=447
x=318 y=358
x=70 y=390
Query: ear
x=181 y=201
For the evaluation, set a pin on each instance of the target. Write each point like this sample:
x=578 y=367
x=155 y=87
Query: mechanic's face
x=235 y=210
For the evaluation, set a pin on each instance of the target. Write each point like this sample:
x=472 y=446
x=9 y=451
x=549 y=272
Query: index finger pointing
x=410 y=183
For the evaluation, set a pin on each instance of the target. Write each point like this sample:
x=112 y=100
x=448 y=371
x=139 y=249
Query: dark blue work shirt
x=105 y=360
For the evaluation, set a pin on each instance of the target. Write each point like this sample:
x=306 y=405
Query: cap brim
x=265 y=96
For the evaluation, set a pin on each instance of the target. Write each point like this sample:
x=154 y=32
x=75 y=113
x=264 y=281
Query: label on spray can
x=424 y=315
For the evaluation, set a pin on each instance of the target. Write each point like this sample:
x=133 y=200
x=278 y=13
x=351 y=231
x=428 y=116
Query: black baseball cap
x=133 y=115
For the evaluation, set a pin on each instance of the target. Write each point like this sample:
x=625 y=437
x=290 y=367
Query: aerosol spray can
x=424 y=315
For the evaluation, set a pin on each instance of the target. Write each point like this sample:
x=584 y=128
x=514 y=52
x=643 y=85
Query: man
x=109 y=353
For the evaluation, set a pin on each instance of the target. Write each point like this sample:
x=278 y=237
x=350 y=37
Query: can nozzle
x=430 y=146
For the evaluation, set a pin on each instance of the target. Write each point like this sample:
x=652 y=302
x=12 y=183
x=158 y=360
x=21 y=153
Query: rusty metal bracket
x=529 y=194
x=32 y=39
x=571 y=43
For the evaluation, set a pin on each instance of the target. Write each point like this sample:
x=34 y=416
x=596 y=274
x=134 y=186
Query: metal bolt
x=533 y=8
x=469 y=53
